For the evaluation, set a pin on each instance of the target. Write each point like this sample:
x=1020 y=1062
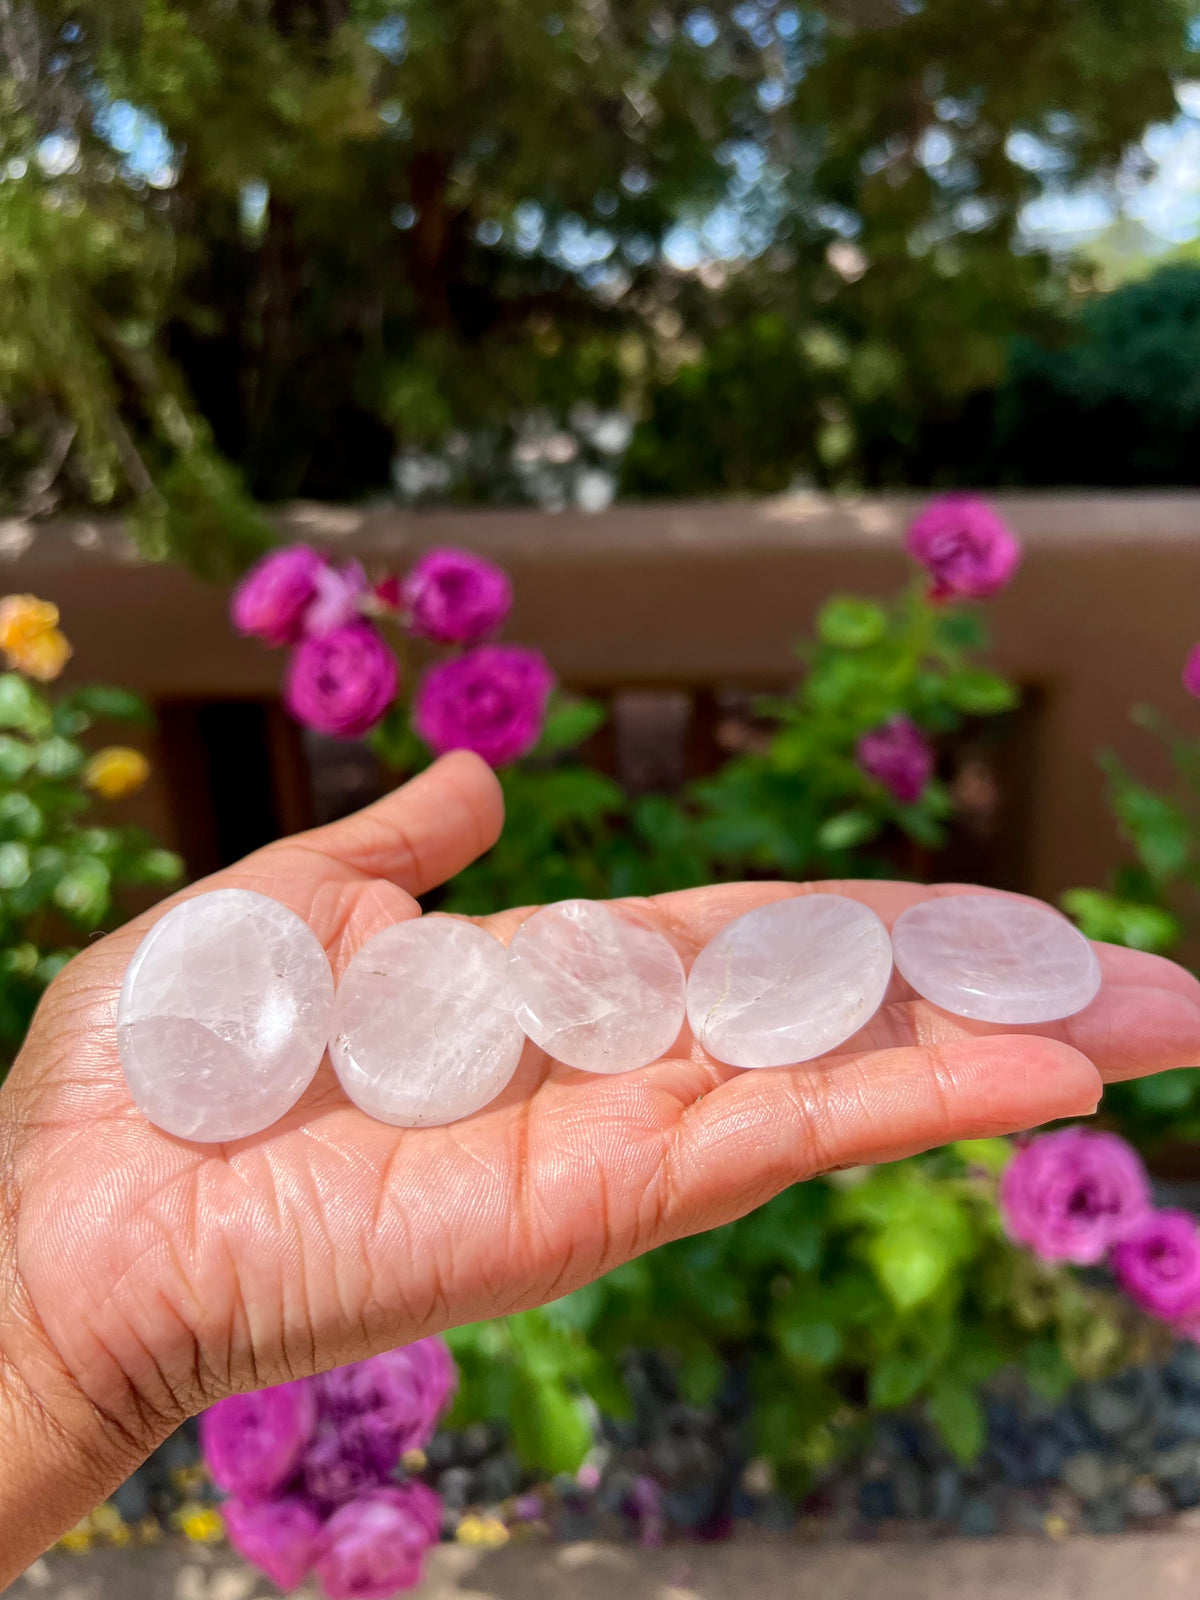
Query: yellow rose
x=30 y=637
x=116 y=772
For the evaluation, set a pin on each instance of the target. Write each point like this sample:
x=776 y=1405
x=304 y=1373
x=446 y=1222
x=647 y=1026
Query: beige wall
x=1100 y=617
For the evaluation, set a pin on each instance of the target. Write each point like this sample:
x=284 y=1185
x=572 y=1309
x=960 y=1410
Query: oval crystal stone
x=995 y=960
x=423 y=1028
x=595 y=987
x=224 y=1015
x=789 y=982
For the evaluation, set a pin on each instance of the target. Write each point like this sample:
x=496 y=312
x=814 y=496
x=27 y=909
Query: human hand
x=142 y=1277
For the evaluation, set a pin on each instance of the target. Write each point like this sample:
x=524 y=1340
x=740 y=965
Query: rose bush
x=66 y=866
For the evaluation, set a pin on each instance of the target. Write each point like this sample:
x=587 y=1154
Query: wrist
x=61 y=1454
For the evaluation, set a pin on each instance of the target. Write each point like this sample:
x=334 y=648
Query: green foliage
x=250 y=252
x=1153 y=904
x=802 y=807
x=877 y=1288
x=799 y=807
x=1115 y=402
x=63 y=866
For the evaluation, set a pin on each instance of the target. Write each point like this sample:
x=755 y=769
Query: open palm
x=149 y=1276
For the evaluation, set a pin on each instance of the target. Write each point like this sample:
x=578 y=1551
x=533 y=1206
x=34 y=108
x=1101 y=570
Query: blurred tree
x=254 y=249
x=1119 y=403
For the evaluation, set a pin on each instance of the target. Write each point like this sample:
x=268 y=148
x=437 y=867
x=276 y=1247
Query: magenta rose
x=342 y=682
x=376 y=1545
x=899 y=756
x=252 y=1443
x=964 y=546
x=338 y=598
x=1191 y=672
x=456 y=597
x=279 y=1537
x=1073 y=1194
x=491 y=700
x=391 y=1402
x=1158 y=1265
x=271 y=600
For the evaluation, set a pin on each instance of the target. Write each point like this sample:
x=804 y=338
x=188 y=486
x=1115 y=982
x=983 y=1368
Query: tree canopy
x=525 y=249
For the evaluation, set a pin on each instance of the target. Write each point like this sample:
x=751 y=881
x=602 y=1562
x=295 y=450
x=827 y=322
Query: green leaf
x=958 y=1416
x=16 y=757
x=850 y=622
x=83 y=892
x=568 y=724
x=115 y=705
x=980 y=694
x=157 y=866
x=59 y=758
x=993 y=1155
x=896 y=1377
x=14 y=865
x=20 y=704
x=395 y=743
x=19 y=817
x=958 y=629
x=19 y=960
x=577 y=794
x=910 y=1263
x=700 y=1374
x=49 y=967
x=550 y=1431
x=808 y=1339
x=1156 y=827
x=1167 y=1092
x=1048 y=1370
x=1116 y=921
x=847 y=829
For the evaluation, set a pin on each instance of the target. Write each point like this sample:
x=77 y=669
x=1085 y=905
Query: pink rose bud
x=271 y=600
x=252 y=1443
x=279 y=1537
x=389 y=1403
x=1158 y=1265
x=899 y=756
x=342 y=682
x=491 y=700
x=964 y=546
x=376 y=1545
x=1191 y=672
x=1073 y=1194
x=456 y=597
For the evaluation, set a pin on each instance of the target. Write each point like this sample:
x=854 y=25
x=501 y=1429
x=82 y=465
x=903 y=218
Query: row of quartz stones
x=228 y=1005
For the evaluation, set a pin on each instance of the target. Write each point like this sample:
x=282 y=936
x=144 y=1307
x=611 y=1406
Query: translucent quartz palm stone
x=789 y=982
x=595 y=987
x=423 y=1028
x=224 y=1015
x=996 y=960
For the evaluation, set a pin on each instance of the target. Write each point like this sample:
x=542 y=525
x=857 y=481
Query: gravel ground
x=1166 y=1566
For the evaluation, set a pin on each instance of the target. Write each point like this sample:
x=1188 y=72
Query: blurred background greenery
x=555 y=251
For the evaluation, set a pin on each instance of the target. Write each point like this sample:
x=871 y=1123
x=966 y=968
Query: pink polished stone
x=224 y=1015
x=789 y=982
x=595 y=987
x=994 y=959
x=423 y=1027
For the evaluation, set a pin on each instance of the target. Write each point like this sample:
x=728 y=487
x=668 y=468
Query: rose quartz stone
x=596 y=987
x=423 y=1027
x=224 y=1015
x=994 y=959
x=789 y=982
